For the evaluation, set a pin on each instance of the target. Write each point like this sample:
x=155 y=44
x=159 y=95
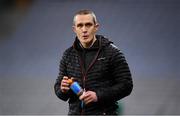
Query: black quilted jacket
x=108 y=75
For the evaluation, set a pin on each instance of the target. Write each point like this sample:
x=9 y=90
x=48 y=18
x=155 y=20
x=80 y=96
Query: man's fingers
x=88 y=100
x=89 y=97
x=65 y=88
x=82 y=96
x=65 y=82
x=65 y=78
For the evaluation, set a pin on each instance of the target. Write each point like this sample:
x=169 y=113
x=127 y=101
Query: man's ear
x=97 y=26
x=74 y=29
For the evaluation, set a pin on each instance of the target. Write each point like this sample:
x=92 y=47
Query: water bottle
x=75 y=87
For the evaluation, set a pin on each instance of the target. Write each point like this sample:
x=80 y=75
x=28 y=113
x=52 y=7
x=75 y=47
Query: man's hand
x=64 y=84
x=88 y=97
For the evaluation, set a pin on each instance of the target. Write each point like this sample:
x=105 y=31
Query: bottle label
x=76 y=88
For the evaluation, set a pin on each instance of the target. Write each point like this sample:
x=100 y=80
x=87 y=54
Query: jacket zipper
x=84 y=73
x=89 y=67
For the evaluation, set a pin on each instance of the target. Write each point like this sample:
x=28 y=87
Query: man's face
x=85 y=28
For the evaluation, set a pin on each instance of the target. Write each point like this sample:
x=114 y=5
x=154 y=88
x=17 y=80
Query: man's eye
x=89 y=24
x=80 y=25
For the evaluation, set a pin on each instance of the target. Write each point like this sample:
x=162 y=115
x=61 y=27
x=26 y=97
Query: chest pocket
x=100 y=68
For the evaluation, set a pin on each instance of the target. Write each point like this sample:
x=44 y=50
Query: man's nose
x=84 y=29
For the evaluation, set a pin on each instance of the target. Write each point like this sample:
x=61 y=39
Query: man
x=97 y=65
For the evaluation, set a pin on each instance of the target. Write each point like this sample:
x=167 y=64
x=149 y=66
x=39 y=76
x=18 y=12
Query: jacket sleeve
x=62 y=72
x=122 y=81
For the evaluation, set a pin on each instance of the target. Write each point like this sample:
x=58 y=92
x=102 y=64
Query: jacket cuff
x=63 y=96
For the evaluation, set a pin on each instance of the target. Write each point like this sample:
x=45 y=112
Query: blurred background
x=34 y=34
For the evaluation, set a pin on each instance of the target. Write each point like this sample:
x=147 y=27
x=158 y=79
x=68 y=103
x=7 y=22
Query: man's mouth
x=85 y=36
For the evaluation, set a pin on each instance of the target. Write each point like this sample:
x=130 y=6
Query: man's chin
x=85 y=40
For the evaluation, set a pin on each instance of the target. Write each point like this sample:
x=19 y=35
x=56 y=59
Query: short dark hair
x=85 y=12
